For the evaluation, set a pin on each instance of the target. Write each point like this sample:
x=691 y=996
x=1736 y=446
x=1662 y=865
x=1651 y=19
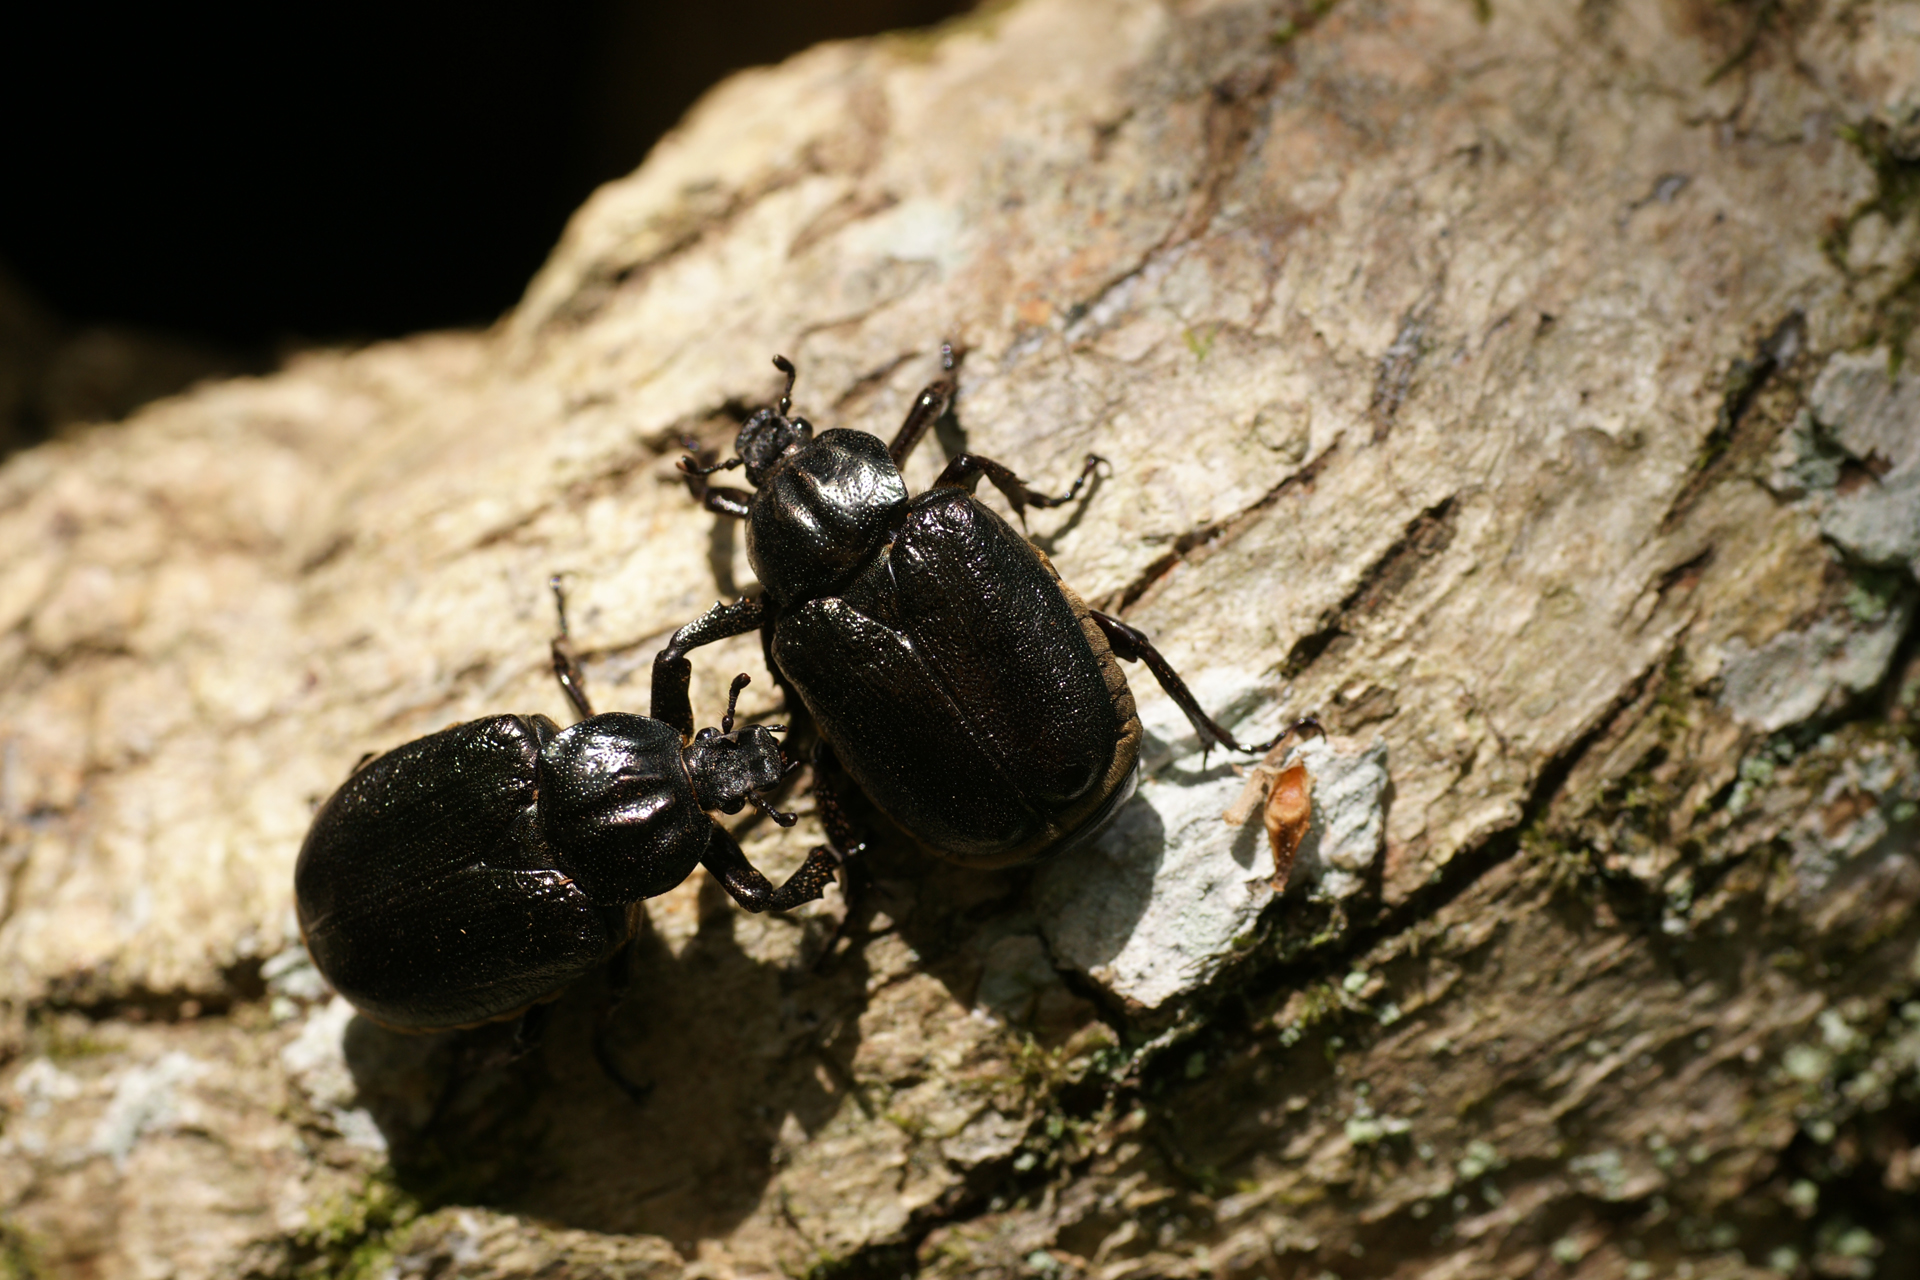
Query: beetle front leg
x=719 y=499
x=927 y=408
x=672 y=673
x=754 y=891
x=965 y=470
x=1131 y=645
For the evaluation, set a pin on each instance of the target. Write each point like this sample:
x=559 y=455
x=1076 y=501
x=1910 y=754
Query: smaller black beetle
x=470 y=875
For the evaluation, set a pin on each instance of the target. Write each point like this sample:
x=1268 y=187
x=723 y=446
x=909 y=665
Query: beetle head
x=767 y=438
x=730 y=768
x=770 y=435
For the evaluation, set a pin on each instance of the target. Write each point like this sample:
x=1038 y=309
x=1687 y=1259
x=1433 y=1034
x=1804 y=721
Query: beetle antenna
x=785 y=366
x=740 y=682
x=783 y=819
x=695 y=464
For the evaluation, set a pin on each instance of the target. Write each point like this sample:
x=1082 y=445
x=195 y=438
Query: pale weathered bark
x=1528 y=389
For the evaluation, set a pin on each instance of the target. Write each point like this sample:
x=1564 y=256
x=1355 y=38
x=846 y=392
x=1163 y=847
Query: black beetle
x=963 y=686
x=470 y=875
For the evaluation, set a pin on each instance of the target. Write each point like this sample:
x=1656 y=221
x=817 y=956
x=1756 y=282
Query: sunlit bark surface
x=1528 y=389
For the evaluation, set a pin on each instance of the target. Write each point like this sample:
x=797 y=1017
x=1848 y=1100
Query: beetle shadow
x=406 y=1084
x=948 y=433
x=741 y=1051
x=1090 y=901
x=1245 y=847
x=975 y=932
x=397 y=1077
x=721 y=542
x=748 y=1046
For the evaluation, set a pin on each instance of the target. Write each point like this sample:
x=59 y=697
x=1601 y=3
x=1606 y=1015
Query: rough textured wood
x=1526 y=388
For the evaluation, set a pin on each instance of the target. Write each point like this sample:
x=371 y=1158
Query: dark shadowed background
x=191 y=193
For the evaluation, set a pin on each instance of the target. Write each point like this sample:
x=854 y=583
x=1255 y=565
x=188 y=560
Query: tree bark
x=1528 y=390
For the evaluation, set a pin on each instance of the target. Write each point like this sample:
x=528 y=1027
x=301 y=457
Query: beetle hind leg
x=472 y=1055
x=1131 y=645
x=529 y=1030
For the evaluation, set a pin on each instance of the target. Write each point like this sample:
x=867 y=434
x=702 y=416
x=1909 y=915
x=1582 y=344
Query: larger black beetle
x=963 y=686
x=470 y=875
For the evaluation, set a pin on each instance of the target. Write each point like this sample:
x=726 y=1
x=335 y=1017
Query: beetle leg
x=723 y=501
x=927 y=408
x=768 y=618
x=697 y=466
x=619 y=978
x=842 y=840
x=845 y=842
x=965 y=470
x=471 y=1055
x=566 y=664
x=1131 y=645
x=719 y=499
x=1305 y=726
x=672 y=672
x=754 y=891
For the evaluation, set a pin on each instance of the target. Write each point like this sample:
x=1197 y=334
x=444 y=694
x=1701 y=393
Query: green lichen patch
x=1896 y=319
x=352 y=1237
x=1896 y=196
x=1896 y=177
x=21 y=1254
